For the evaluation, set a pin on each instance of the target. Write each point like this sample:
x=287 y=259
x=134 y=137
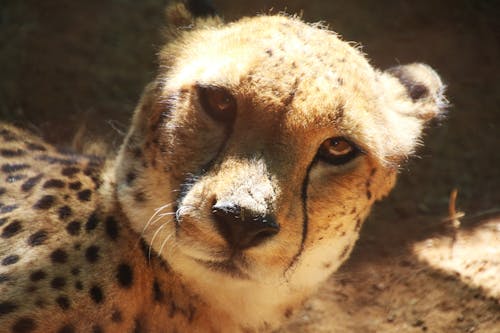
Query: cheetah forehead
x=281 y=64
x=273 y=51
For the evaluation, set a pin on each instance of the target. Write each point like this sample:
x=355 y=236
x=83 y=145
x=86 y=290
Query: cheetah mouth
x=229 y=267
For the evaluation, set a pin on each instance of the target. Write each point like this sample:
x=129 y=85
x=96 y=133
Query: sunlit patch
x=474 y=255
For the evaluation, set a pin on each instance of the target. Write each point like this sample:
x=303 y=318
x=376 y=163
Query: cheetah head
x=257 y=152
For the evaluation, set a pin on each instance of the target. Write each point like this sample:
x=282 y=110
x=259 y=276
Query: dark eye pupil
x=337 y=151
x=217 y=102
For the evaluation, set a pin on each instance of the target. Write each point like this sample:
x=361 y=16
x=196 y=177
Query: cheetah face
x=262 y=146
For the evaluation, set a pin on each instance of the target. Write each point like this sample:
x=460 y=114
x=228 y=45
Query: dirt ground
x=68 y=64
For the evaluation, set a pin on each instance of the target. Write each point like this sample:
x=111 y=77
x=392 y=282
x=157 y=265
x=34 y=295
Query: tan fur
x=296 y=85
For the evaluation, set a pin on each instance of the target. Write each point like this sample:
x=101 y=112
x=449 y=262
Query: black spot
x=137 y=152
x=145 y=249
x=138 y=327
x=358 y=224
x=73 y=228
x=344 y=252
x=368 y=194
x=54 y=183
x=96 y=294
x=37 y=275
x=111 y=228
x=67 y=329
x=116 y=316
x=78 y=285
x=58 y=282
x=70 y=171
x=139 y=197
x=77 y=246
x=24 y=325
x=84 y=195
x=55 y=160
x=45 y=202
x=38 y=238
x=64 y=212
x=59 y=256
x=9 y=168
x=7 y=135
x=130 y=177
x=14 y=178
x=3 y=220
x=2 y=190
x=91 y=222
x=8 y=209
x=124 y=275
x=30 y=183
x=75 y=271
x=12 y=152
x=269 y=52
x=97 y=329
x=75 y=185
x=157 y=292
x=4 y=278
x=35 y=146
x=7 y=307
x=92 y=253
x=11 y=229
x=418 y=91
x=10 y=260
x=63 y=302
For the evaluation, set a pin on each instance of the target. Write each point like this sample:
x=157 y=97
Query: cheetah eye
x=337 y=151
x=218 y=102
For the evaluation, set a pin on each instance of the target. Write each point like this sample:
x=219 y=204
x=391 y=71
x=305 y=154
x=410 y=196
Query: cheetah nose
x=240 y=227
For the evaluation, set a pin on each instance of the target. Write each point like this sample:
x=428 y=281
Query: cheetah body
x=130 y=244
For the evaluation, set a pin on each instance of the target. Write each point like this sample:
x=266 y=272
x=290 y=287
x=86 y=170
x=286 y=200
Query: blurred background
x=68 y=65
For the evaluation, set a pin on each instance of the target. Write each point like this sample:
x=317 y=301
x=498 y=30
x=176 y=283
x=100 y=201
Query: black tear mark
x=305 y=218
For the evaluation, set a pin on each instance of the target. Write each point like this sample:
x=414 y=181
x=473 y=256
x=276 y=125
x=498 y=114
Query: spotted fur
x=133 y=243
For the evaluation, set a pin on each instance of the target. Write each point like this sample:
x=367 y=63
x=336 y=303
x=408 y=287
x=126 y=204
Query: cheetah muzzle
x=251 y=162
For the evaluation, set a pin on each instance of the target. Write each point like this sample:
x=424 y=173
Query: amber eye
x=218 y=102
x=337 y=151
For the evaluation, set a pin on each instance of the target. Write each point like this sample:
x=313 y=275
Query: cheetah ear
x=412 y=96
x=423 y=86
x=188 y=14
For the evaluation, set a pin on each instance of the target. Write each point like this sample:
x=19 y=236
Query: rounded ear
x=423 y=86
x=410 y=96
x=191 y=13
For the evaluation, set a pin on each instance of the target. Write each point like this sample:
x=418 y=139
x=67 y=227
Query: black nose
x=240 y=227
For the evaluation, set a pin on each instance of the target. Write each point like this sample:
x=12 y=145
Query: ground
x=69 y=66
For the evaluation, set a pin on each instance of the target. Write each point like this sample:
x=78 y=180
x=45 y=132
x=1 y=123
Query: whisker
x=153 y=239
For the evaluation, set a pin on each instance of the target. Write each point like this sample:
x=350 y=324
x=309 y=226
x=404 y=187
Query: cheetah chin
x=250 y=164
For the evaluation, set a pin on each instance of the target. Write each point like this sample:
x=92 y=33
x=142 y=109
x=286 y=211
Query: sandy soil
x=68 y=65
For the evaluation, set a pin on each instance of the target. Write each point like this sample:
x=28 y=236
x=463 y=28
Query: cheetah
x=251 y=161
